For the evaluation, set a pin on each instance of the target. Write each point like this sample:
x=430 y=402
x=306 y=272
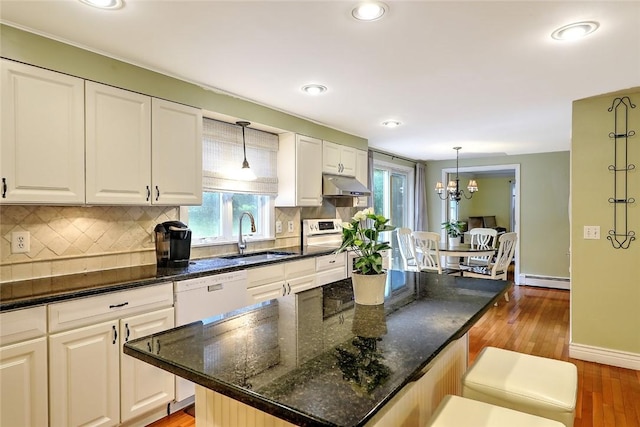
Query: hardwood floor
x=536 y=321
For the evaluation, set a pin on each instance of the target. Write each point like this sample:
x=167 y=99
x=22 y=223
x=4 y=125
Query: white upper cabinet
x=176 y=158
x=42 y=147
x=299 y=171
x=118 y=150
x=141 y=150
x=338 y=159
x=136 y=150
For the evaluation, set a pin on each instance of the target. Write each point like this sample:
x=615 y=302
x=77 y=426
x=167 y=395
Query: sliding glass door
x=393 y=197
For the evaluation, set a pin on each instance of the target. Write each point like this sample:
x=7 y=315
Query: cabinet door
x=300 y=275
x=331 y=158
x=143 y=387
x=308 y=171
x=348 y=161
x=118 y=146
x=362 y=175
x=84 y=376
x=23 y=384
x=42 y=144
x=176 y=165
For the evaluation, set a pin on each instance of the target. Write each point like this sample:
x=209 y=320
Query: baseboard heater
x=545 y=281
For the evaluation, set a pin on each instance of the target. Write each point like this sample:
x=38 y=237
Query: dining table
x=462 y=250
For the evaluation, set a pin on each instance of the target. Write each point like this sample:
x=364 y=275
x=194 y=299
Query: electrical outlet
x=290 y=226
x=278 y=226
x=20 y=242
x=592 y=232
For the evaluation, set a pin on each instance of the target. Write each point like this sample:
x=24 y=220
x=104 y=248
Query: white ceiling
x=482 y=75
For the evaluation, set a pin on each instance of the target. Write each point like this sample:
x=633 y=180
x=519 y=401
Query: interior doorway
x=513 y=169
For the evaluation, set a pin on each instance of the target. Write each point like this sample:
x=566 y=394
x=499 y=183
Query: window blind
x=222 y=156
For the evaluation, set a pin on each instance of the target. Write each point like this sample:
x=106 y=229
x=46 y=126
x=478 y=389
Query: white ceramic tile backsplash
x=70 y=239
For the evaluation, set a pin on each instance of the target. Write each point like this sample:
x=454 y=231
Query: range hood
x=343 y=186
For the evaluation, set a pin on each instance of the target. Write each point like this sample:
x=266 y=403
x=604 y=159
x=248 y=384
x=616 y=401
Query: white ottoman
x=455 y=411
x=532 y=384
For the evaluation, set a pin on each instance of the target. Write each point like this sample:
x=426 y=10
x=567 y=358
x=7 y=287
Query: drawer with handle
x=90 y=310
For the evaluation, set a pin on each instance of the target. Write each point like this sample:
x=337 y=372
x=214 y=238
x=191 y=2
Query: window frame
x=265 y=221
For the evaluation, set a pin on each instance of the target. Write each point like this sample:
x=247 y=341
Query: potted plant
x=453 y=229
x=361 y=236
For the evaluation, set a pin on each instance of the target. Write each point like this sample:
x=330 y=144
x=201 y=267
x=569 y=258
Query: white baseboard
x=545 y=281
x=605 y=356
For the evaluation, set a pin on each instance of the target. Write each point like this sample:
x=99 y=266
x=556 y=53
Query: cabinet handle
x=148 y=193
x=157 y=193
x=289 y=288
x=119 y=305
x=149 y=346
x=4 y=188
x=284 y=290
x=158 y=344
x=115 y=334
x=126 y=328
x=332 y=262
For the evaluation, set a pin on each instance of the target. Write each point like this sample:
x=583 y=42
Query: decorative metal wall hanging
x=620 y=236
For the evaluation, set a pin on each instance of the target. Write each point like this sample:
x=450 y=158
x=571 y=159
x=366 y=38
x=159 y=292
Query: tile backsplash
x=74 y=239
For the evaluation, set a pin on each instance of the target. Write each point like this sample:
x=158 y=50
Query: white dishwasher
x=203 y=298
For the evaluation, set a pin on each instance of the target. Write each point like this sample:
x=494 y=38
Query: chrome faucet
x=242 y=243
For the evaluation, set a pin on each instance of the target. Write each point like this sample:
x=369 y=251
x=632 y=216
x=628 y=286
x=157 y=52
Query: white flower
x=347 y=225
x=359 y=216
x=368 y=211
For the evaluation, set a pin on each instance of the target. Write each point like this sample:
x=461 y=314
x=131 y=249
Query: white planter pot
x=454 y=241
x=369 y=289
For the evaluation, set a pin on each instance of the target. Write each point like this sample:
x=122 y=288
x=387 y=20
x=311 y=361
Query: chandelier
x=453 y=191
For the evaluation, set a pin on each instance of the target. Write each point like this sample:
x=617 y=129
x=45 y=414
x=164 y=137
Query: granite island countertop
x=343 y=364
x=33 y=292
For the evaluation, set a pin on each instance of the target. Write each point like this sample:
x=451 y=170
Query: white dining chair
x=496 y=269
x=428 y=248
x=407 y=249
x=481 y=238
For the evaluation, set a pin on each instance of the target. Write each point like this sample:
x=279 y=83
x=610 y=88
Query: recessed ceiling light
x=104 y=4
x=391 y=123
x=314 y=89
x=575 y=31
x=369 y=11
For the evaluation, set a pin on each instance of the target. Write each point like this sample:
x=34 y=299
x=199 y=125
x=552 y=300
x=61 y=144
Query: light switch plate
x=20 y=242
x=290 y=226
x=278 y=226
x=592 y=232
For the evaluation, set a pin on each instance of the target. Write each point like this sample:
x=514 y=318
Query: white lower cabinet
x=91 y=381
x=23 y=368
x=85 y=376
x=143 y=387
x=279 y=280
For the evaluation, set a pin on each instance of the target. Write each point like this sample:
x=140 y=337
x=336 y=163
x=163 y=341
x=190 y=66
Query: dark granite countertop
x=344 y=362
x=34 y=292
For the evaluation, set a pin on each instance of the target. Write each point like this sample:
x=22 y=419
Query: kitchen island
x=317 y=359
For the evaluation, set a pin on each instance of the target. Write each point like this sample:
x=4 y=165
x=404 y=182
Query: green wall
x=493 y=198
x=43 y=52
x=605 y=298
x=544 y=207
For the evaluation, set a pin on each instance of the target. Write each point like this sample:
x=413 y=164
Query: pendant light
x=453 y=191
x=245 y=174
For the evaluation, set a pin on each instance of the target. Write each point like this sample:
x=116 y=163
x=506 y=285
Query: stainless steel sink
x=257 y=256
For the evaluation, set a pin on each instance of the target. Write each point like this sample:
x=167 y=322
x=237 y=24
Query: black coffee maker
x=173 y=244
